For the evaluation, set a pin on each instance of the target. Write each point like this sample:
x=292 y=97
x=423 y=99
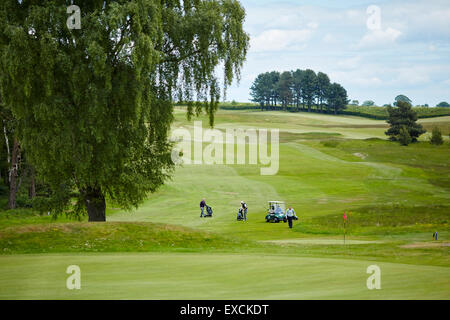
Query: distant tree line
x=301 y=90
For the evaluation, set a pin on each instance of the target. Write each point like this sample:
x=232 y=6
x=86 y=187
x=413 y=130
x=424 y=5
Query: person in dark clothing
x=244 y=209
x=202 y=208
x=290 y=213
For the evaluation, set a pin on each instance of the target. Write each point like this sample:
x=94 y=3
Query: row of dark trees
x=301 y=89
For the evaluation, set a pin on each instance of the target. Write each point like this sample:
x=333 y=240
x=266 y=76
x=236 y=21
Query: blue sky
x=408 y=52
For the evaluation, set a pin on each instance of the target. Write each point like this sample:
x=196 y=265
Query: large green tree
x=297 y=87
x=337 y=98
x=402 y=98
x=309 y=85
x=323 y=86
x=94 y=105
x=403 y=116
x=258 y=91
x=262 y=90
x=284 y=89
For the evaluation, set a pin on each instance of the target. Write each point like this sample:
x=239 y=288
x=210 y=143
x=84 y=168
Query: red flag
x=345 y=216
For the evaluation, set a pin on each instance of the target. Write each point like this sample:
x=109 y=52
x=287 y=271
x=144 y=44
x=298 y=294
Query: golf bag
x=209 y=212
x=240 y=216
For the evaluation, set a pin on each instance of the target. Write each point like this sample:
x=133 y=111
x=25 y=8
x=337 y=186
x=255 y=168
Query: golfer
x=244 y=209
x=202 y=208
x=290 y=213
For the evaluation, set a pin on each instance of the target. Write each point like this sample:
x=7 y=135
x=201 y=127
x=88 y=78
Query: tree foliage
x=337 y=97
x=368 y=103
x=265 y=89
x=403 y=116
x=436 y=137
x=94 y=106
x=402 y=98
x=443 y=104
x=404 y=137
x=284 y=89
x=300 y=88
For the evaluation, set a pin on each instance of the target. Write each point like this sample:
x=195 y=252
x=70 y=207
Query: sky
x=376 y=49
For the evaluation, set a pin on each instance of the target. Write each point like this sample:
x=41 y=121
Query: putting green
x=214 y=276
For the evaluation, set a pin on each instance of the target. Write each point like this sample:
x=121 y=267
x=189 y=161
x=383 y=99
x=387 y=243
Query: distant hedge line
x=376 y=113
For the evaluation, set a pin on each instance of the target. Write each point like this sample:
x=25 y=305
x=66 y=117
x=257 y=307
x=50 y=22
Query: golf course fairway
x=395 y=197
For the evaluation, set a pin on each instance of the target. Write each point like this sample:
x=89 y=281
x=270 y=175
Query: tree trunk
x=13 y=174
x=95 y=205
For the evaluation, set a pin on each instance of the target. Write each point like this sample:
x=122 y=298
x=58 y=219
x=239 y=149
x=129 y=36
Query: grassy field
x=201 y=276
x=396 y=198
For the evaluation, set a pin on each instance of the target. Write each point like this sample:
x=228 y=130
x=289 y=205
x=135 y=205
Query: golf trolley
x=240 y=215
x=209 y=212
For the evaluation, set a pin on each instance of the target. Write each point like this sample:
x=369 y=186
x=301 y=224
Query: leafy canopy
x=403 y=117
x=94 y=106
x=443 y=104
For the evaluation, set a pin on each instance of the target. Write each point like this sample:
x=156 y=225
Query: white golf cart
x=276 y=212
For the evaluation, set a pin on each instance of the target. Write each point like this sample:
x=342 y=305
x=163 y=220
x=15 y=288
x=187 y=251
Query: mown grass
x=108 y=237
x=396 y=196
x=383 y=220
x=151 y=238
x=213 y=276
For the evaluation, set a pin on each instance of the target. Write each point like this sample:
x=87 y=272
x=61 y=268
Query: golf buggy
x=276 y=212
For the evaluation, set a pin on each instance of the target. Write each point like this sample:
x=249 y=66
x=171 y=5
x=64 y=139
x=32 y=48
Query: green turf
x=396 y=198
x=212 y=276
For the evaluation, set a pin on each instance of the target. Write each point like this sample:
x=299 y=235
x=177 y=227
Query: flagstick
x=345 y=230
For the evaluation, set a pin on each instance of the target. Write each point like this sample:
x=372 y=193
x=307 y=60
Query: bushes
x=436 y=137
x=330 y=143
x=404 y=137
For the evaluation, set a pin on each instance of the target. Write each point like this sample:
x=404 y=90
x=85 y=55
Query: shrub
x=330 y=143
x=403 y=116
x=404 y=137
x=436 y=137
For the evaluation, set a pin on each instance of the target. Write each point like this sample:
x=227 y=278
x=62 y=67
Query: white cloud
x=277 y=40
x=313 y=25
x=350 y=63
x=379 y=38
x=329 y=39
x=339 y=43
